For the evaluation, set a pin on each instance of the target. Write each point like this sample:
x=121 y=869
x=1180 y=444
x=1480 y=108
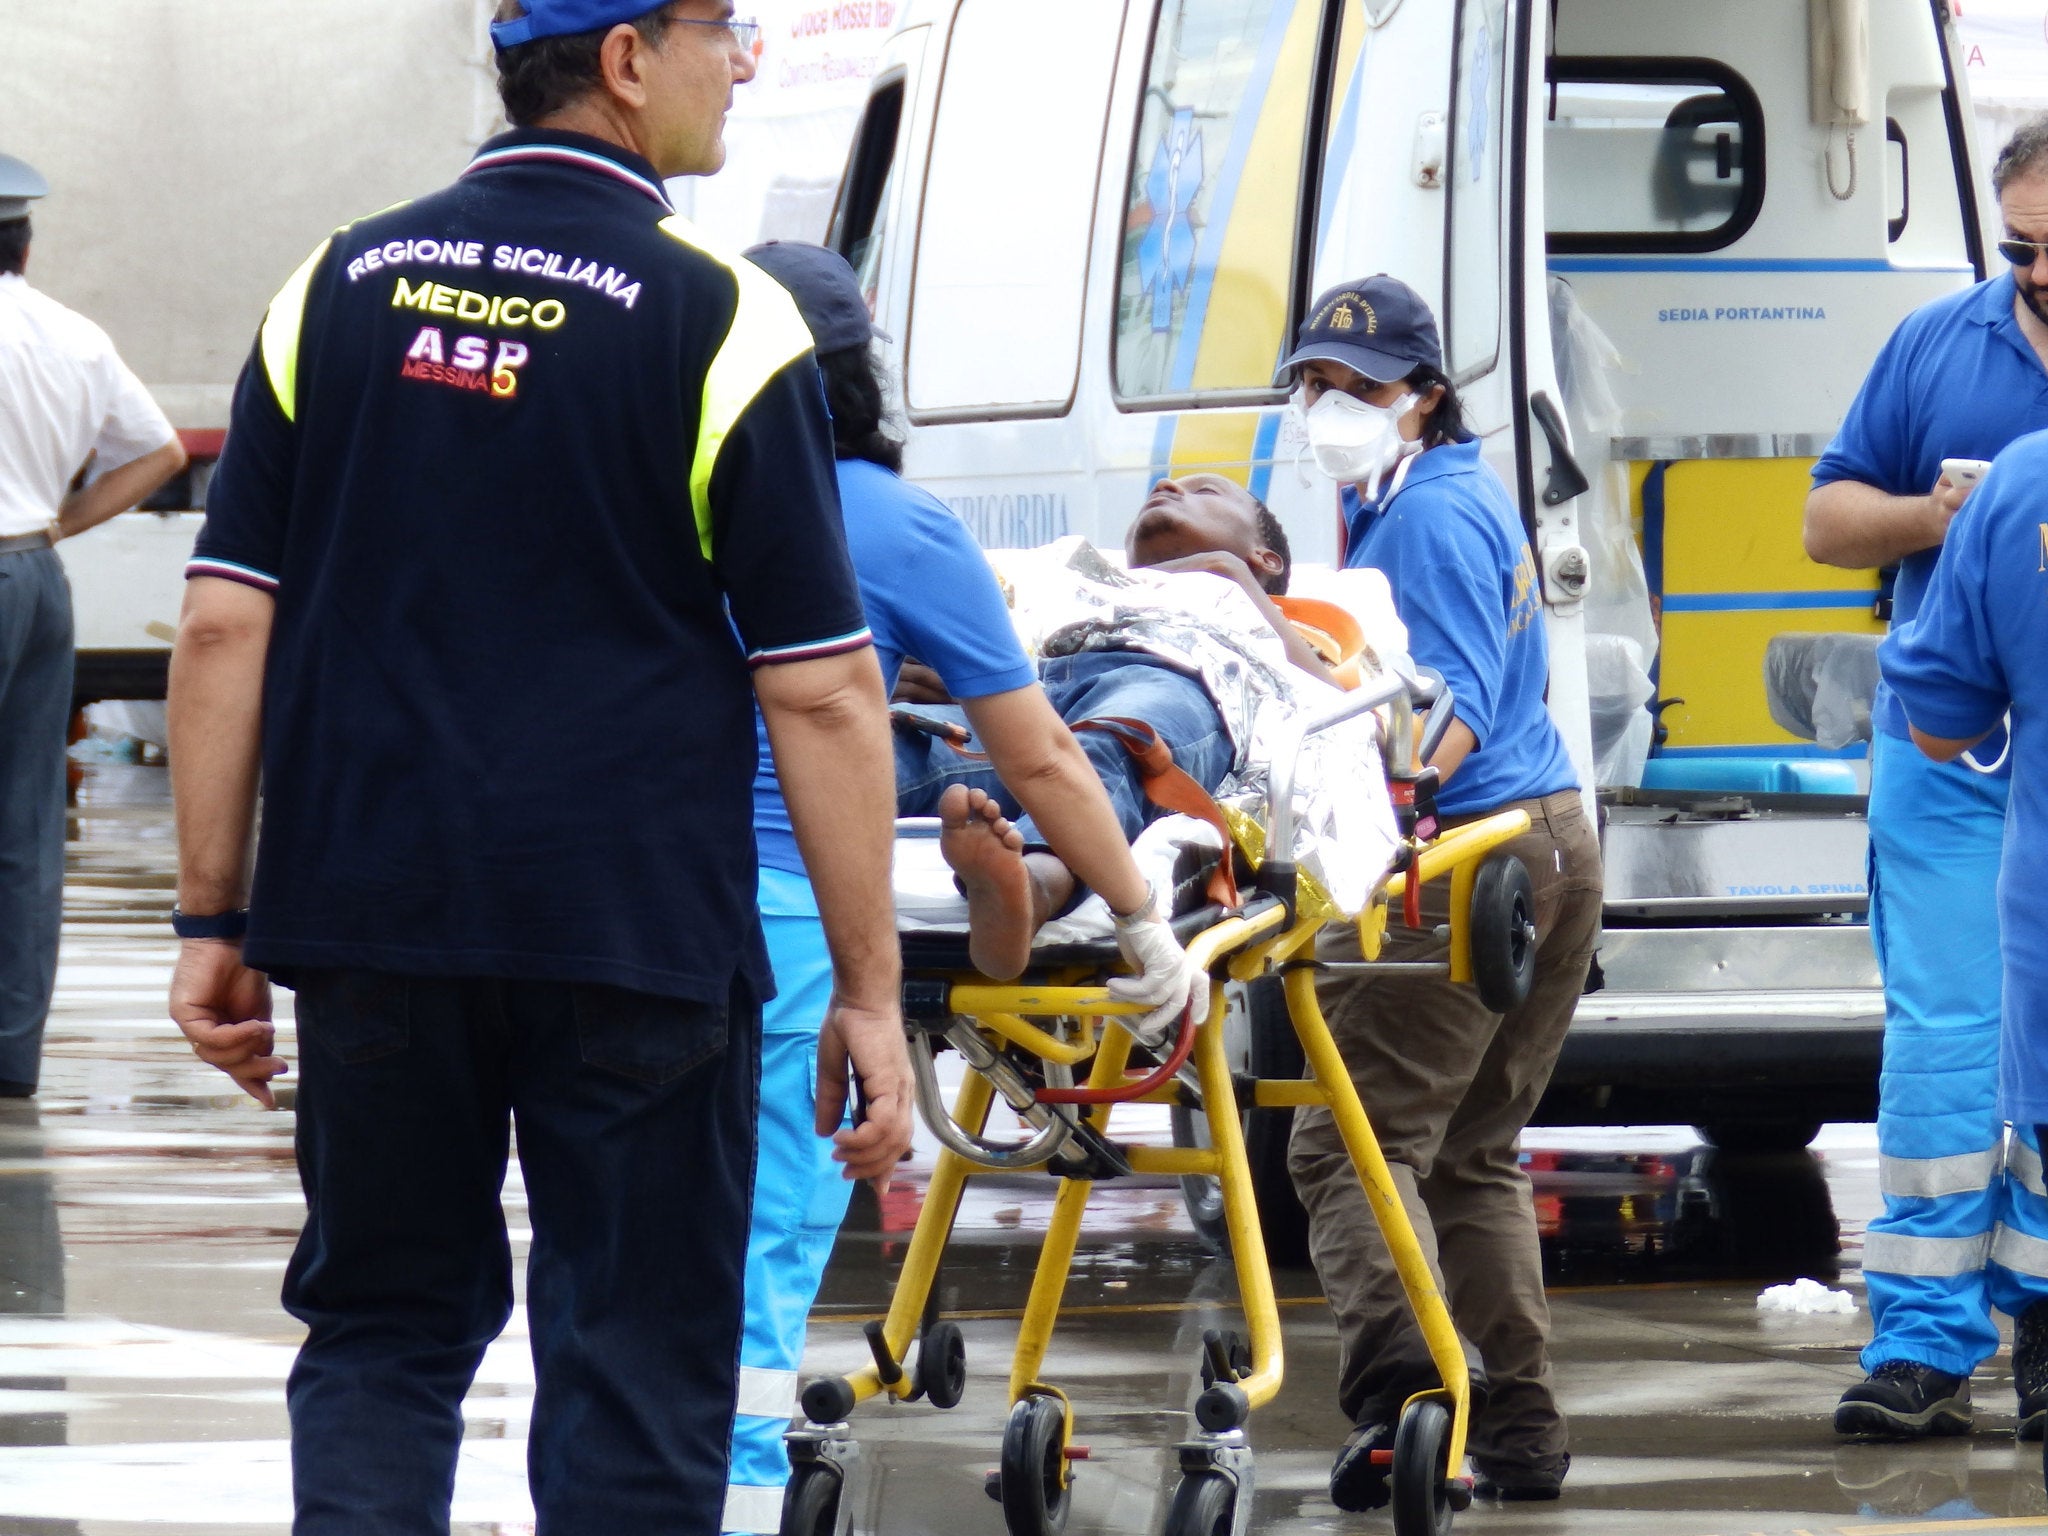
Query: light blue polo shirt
x=929 y=593
x=1453 y=549
x=1975 y=650
x=1957 y=380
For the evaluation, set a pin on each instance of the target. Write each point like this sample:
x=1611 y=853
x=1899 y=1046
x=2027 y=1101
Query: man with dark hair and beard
x=1965 y=1224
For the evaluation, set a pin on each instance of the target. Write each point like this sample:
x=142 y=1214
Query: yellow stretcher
x=1028 y=1042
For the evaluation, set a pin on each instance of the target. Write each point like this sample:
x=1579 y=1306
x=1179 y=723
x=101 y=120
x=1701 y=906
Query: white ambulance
x=1665 y=240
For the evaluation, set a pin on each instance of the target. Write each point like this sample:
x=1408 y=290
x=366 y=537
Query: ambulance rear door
x=1101 y=237
x=970 y=205
x=1432 y=175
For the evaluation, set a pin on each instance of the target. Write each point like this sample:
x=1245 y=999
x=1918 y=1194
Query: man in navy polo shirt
x=524 y=488
x=1965 y=1225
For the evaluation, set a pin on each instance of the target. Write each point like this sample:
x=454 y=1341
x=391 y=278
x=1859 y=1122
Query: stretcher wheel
x=1203 y=1505
x=942 y=1364
x=1421 y=1475
x=1034 y=1489
x=810 y=1503
x=1501 y=925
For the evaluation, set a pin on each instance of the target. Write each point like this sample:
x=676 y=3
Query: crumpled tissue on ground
x=1805 y=1296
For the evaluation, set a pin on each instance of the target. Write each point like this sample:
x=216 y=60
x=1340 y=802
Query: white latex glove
x=1165 y=976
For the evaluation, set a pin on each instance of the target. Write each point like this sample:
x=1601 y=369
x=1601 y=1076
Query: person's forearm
x=118 y=490
x=216 y=722
x=1943 y=749
x=836 y=765
x=1039 y=762
x=1859 y=527
x=1072 y=810
x=1451 y=752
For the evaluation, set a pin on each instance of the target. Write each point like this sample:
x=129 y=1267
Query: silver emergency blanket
x=1067 y=598
x=1820 y=687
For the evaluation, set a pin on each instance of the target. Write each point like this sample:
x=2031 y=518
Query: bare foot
x=1004 y=904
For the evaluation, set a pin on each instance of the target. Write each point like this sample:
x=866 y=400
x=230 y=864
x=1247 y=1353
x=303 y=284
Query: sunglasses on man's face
x=2022 y=253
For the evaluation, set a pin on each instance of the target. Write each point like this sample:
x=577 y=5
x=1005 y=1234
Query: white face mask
x=1354 y=442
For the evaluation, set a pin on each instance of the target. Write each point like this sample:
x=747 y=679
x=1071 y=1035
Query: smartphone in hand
x=1964 y=474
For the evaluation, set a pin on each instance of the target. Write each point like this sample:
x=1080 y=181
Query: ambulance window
x=1009 y=201
x=864 y=194
x=1212 y=206
x=1474 y=271
x=1651 y=155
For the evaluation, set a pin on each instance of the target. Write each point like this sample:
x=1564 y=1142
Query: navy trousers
x=35 y=703
x=635 y=1123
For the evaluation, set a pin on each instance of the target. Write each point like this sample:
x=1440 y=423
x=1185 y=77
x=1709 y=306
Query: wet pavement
x=147 y=1210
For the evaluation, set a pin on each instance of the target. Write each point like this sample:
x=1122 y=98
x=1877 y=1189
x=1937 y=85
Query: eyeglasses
x=740 y=36
x=2022 y=253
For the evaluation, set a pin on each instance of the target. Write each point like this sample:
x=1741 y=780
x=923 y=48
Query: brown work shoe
x=1357 y=1482
x=1512 y=1483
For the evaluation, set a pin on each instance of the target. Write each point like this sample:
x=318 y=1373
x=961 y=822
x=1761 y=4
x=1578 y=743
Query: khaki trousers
x=1448 y=1087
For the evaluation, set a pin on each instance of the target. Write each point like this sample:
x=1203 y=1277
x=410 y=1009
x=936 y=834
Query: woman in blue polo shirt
x=928 y=592
x=1447 y=1084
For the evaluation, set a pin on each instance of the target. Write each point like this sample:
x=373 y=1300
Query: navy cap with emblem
x=562 y=18
x=20 y=185
x=1378 y=325
x=826 y=290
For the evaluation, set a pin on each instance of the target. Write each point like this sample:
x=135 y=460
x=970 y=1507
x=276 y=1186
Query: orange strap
x=1172 y=788
x=1333 y=633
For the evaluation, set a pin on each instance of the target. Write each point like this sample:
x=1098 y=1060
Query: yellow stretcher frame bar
x=1461 y=851
x=1242 y=947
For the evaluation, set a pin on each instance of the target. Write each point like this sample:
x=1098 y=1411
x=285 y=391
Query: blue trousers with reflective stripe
x=1961 y=1232
x=799 y=1201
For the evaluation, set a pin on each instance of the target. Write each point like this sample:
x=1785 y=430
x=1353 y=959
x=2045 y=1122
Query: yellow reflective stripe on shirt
x=766 y=336
x=282 y=323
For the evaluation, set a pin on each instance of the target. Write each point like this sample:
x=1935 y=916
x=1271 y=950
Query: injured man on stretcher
x=1179 y=656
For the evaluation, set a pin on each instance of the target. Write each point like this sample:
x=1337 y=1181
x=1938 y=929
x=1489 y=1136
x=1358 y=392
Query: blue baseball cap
x=826 y=290
x=562 y=18
x=1378 y=325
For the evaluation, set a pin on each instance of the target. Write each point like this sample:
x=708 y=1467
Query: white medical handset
x=1964 y=474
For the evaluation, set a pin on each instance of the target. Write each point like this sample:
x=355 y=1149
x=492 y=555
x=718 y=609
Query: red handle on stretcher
x=1135 y=1088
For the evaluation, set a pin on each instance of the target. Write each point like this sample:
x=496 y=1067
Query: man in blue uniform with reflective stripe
x=1973 y=654
x=524 y=488
x=1965 y=1223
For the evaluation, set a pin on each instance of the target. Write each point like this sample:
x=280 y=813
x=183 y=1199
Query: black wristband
x=213 y=925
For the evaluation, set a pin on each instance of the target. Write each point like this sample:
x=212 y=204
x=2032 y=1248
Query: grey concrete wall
x=198 y=149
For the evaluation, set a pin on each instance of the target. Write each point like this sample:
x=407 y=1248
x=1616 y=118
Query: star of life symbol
x=1166 y=254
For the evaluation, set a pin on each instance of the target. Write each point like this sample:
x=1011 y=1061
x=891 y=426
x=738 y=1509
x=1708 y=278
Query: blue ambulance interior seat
x=1753 y=775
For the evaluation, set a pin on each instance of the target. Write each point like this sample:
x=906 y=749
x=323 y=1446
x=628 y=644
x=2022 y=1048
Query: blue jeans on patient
x=1129 y=684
